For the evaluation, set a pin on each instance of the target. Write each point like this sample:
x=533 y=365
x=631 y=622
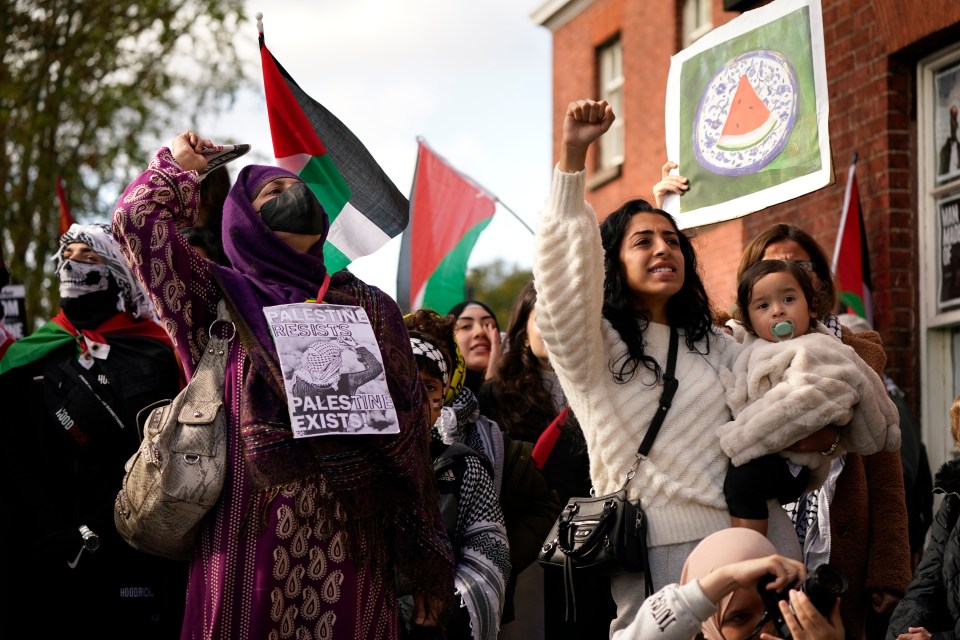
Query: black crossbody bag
x=607 y=534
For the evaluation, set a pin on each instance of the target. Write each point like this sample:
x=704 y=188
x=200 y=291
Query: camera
x=823 y=587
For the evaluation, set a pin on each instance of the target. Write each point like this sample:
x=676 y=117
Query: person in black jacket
x=470 y=508
x=529 y=505
x=71 y=392
x=524 y=397
x=931 y=606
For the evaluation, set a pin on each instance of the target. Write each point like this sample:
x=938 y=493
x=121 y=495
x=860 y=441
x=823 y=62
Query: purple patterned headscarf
x=264 y=270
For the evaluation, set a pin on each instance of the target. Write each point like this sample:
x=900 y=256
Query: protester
x=525 y=398
x=607 y=299
x=71 y=394
x=931 y=606
x=917 y=479
x=718 y=596
x=470 y=508
x=857 y=521
x=6 y=338
x=213 y=193
x=314 y=536
x=791 y=380
x=478 y=336
x=529 y=505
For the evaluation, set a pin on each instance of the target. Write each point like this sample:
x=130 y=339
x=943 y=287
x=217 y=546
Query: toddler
x=792 y=379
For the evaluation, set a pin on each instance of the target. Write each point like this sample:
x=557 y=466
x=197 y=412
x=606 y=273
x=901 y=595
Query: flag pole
x=514 y=214
x=846 y=210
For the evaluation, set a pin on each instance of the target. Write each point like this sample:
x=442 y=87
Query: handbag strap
x=670 y=384
x=213 y=360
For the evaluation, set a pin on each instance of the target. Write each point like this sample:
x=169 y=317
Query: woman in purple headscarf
x=313 y=537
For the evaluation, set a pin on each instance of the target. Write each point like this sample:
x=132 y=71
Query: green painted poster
x=746 y=114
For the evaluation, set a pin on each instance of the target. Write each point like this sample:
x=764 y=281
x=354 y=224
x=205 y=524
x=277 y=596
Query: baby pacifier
x=782 y=330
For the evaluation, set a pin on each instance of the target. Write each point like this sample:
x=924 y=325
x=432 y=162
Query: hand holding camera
x=813 y=616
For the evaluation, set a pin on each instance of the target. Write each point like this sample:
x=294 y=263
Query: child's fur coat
x=781 y=392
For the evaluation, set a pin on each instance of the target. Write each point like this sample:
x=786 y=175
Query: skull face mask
x=80 y=278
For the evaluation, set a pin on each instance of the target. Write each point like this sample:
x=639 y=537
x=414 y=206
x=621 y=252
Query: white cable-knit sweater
x=681 y=483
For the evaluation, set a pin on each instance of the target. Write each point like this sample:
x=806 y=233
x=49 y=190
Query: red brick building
x=893 y=68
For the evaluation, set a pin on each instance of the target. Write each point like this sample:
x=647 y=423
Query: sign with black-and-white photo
x=332 y=370
x=946 y=122
x=948 y=213
x=13 y=298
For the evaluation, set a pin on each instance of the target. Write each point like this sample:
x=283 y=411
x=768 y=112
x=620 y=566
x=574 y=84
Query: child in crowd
x=470 y=507
x=792 y=379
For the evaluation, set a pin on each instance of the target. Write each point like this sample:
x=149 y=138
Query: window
x=938 y=146
x=611 y=90
x=697 y=20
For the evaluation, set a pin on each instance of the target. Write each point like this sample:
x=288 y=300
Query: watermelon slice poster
x=746 y=114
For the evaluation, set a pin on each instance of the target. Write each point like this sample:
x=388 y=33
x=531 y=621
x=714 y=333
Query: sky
x=473 y=79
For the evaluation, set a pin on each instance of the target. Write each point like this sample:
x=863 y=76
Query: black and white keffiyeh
x=810 y=514
x=133 y=297
x=428 y=350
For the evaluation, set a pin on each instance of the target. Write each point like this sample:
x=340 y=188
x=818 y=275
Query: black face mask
x=295 y=210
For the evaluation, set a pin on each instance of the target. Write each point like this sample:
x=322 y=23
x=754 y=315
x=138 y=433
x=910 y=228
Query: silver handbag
x=176 y=475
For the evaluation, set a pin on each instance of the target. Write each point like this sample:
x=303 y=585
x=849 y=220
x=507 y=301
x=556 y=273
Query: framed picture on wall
x=746 y=114
x=945 y=123
x=948 y=241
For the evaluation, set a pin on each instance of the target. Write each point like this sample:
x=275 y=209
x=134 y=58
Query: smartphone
x=221 y=154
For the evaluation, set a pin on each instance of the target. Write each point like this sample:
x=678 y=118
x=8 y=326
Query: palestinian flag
x=66 y=219
x=365 y=208
x=851 y=260
x=448 y=211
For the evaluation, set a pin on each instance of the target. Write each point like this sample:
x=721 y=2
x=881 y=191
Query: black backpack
x=448 y=469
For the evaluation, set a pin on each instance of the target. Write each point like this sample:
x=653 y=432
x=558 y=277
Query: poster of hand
x=746 y=114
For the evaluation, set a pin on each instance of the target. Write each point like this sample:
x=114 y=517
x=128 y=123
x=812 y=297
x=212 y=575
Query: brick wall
x=871 y=53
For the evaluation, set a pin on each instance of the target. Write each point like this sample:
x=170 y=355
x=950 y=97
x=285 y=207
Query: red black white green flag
x=66 y=219
x=365 y=208
x=448 y=211
x=851 y=260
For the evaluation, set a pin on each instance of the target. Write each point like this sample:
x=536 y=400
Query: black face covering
x=295 y=210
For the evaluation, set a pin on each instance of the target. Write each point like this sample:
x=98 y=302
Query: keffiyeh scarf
x=133 y=297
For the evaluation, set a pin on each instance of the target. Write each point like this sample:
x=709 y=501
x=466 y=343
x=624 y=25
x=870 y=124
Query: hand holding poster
x=746 y=114
x=332 y=370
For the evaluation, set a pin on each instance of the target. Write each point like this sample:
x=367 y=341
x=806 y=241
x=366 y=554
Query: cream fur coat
x=782 y=392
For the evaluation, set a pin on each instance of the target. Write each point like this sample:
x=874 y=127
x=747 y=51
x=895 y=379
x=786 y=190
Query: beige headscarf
x=717 y=550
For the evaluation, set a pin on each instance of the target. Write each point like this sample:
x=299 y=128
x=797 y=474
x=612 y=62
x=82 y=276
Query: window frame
x=939 y=330
x=611 y=150
x=696 y=23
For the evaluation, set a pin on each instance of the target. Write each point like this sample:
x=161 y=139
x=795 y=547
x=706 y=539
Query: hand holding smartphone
x=221 y=154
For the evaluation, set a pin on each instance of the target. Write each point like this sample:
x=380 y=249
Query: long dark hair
x=753 y=253
x=523 y=406
x=688 y=309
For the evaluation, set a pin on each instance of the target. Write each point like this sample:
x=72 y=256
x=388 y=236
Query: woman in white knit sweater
x=605 y=309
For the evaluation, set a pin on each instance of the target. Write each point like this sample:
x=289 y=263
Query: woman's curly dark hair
x=688 y=309
x=523 y=405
